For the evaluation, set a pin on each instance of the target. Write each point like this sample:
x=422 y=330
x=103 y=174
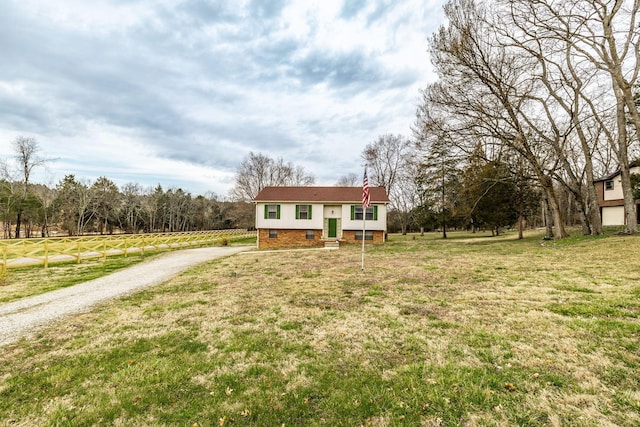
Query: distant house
x=311 y=216
x=610 y=198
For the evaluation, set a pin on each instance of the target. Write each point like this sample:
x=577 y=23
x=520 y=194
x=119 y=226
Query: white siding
x=333 y=211
x=288 y=217
x=318 y=213
x=613 y=215
x=616 y=193
x=380 y=224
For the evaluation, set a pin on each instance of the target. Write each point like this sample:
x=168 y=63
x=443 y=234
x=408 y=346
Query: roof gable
x=320 y=194
x=632 y=165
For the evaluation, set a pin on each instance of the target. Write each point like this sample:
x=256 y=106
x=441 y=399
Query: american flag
x=366 y=197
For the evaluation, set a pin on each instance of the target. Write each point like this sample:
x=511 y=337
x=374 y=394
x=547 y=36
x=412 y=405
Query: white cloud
x=97 y=16
x=177 y=93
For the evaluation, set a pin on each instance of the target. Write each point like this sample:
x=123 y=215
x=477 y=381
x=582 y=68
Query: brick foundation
x=298 y=238
x=288 y=238
x=349 y=236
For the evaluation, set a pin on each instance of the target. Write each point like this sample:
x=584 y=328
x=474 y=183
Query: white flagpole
x=364 y=229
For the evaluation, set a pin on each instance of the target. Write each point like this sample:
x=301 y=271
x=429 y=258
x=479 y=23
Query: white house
x=610 y=198
x=310 y=216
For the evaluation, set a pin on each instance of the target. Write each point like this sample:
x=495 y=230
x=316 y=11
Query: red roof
x=320 y=194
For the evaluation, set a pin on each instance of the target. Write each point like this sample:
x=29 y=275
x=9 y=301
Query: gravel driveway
x=23 y=317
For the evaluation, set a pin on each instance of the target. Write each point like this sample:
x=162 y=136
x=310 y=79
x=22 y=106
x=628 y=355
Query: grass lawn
x=21 y=282
x=472 y=330
x=34 y=280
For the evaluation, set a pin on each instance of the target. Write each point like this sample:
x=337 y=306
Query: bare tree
x=258 y=171
x=130 y=216
x=581 y=44
x=390 y=161
x=73 y=201
x=179 y=203
x=562 y=98
x=105 y=202
x=613 y=34
x=300 y=177
x=485 y=92
x=7 y=198
x=349 y=180
x=385 y=158
x=26 y=149
x=406 y=192
x=46 y=196
x=600 y=39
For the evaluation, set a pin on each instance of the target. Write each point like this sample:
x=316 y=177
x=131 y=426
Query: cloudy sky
x=178 y=92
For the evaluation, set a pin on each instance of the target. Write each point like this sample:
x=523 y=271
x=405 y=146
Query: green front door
x=333 y=227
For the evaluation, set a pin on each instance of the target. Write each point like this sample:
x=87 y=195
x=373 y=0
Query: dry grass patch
x=27 y=281
x=469 y=331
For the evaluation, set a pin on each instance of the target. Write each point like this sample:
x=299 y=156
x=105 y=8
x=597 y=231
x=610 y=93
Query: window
x=303 y=211
x=273 y=234
x=608 y=185
x=368 y=235
x=311 y=234
x=356 y=213
x=271 y=211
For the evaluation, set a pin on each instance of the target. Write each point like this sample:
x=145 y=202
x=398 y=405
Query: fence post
x=78 y=257
x=4 y=259
x=104 y=250
x=46 y=254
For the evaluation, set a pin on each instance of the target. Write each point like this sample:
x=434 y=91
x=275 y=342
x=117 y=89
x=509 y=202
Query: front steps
x=332 y=244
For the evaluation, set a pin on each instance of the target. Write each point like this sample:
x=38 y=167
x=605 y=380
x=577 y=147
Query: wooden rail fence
x=25 y=252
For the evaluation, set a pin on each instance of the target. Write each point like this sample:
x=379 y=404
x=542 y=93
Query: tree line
x=428 y=193
x=396 y=163
x=76 y=207
x=537 y=97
